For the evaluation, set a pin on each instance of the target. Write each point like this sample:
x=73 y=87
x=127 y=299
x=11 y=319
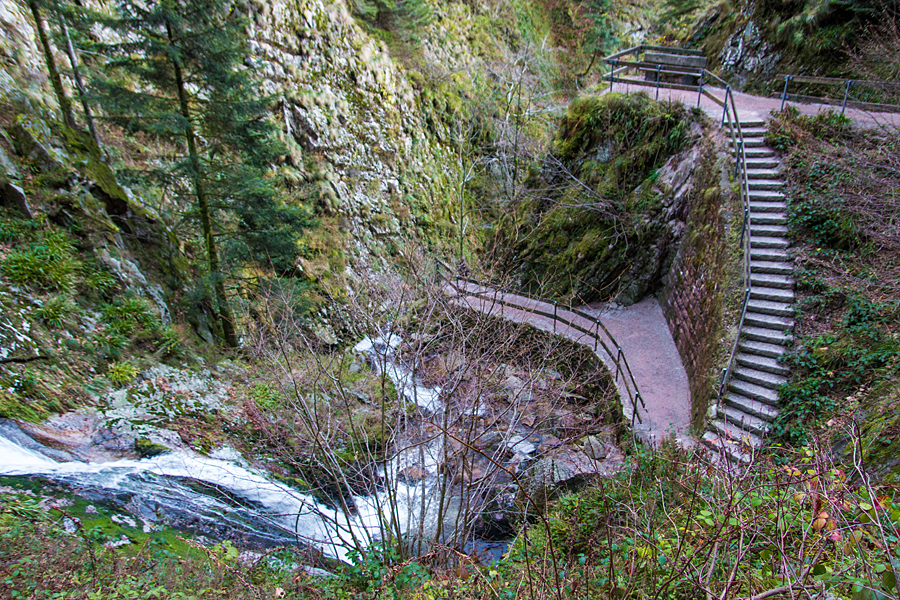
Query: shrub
x=266 y=397
x=126 y=316
x=48 y=262
x=121 y=373
x=55 y=310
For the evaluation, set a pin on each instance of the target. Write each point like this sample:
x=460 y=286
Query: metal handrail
x=729 y=119
x=847 y=84
x=618 y=357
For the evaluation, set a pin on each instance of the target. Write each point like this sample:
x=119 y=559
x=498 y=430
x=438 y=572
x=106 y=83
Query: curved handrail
x=617 y=358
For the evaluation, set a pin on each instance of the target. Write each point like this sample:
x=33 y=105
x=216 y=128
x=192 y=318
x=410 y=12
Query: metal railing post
x=784 y=94
x=725 y=108
x=658 y=69
x=597 y=335
x=700 y=89
x=846 y=95
x=737 y=159
x=612 y=75
x=744 y=226
x=618 y=362
x=555 y=306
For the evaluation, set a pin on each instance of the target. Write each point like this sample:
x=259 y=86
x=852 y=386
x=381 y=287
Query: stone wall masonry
x=692 y=291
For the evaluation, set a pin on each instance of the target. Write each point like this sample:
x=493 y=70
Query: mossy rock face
x=596 y=223
x=146 y=449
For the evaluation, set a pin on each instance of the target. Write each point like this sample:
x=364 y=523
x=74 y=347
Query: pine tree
x=184 y=74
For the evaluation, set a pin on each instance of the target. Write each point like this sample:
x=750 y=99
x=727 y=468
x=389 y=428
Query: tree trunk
x=79 y=84
x=65 y=107
x=223 y=312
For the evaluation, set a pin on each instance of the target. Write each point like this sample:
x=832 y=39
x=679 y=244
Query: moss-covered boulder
x=595 y=224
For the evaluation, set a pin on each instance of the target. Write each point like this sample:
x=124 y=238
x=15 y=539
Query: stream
x=218 y=496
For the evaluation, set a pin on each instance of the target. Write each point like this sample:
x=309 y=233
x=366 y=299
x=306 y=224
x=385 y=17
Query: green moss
x=45 y=257
x=145 y=448
x=592 y=213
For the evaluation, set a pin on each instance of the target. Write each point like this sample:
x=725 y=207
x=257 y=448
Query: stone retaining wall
x=693 y=289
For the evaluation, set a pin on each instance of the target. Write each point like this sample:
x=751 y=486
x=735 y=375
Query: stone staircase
x=750 y=404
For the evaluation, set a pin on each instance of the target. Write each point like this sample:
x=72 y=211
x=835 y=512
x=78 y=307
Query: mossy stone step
x=754 y=392
x=768 y=219
x=762 y=173
x=766 y=195
x=776 y=309
x=762 y=363
x=773 y=294
x=782 y=282
x=735 y=432
x=757 y=152
x=761 y=163
x=754 y=131
x=761 y=378
x=767 y=229
x=745 y=422
x=769 y=254
x=764 y=334
x=755 y=408
x=764 y=185
x=755 y=143
x=755 y=319
x=762 y=348
x=760 y=241
x=766 y=207
x=771 y=267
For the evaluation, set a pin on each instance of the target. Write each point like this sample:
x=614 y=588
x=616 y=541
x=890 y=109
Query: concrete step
x=762 y=363
x=761 y=410
x=764 y=334
x=732 y=431
x=778 y=206
x=772 y=294
x=761 y=241
x=753 y=123
x=776 y=309
x=760 y=378
x=761 y=152
x=771 y=267
x=767 y=229
x=755 y=319
x=754 y=173
x=728 y=449
x=769 y=254
x=764 y=184
x=753 y=391
x=782 y=282
x=757 y=142
x=745 y=422
x=762 y=163
x=768 y=219
x=753 y=132
x=762 y=348
x=766 y=195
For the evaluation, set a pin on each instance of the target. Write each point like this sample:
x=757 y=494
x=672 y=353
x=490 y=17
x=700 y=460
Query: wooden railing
x=710 y=86
x=595 y=329
x=844 y=86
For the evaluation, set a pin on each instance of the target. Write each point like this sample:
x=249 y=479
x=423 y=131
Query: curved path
x=643 y=334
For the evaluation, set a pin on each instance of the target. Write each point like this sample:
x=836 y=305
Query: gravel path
x=642 y=333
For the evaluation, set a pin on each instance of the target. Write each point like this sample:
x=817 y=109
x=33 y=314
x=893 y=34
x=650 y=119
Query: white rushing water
x=267 y=506
x=382 y=352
